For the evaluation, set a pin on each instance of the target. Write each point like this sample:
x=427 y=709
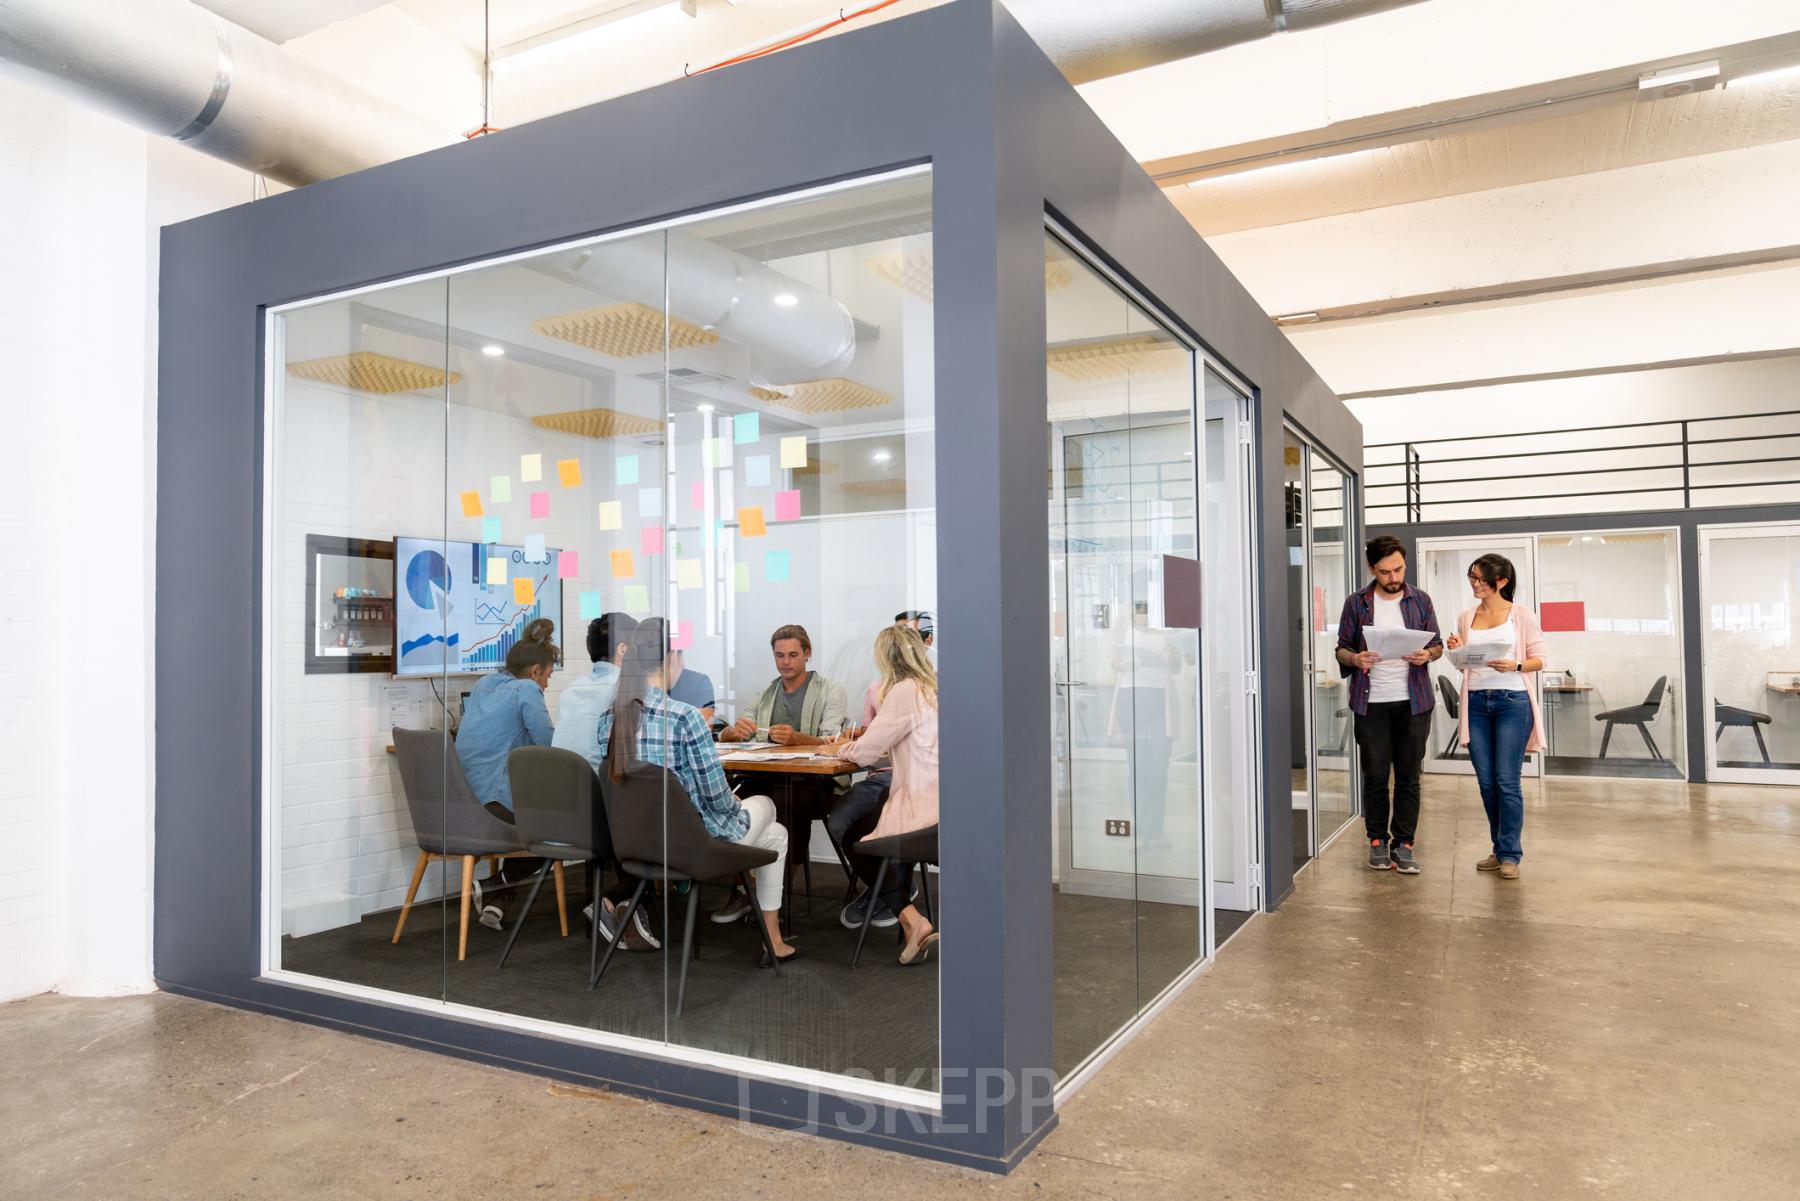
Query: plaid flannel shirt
x=674 y=735
x=1416 y=613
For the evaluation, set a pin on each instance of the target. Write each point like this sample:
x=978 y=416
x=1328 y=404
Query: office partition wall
x=1749 y=589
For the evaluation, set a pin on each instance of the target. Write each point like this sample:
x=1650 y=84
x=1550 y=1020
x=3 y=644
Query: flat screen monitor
x=448 y=620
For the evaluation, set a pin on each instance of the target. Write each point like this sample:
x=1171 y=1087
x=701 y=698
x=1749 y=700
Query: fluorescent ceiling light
x=575 y=30
x=1765 y=76
x=704 y=408
x=493 y=351
x=1296 y=318
x=882 y=455
x=786 y=300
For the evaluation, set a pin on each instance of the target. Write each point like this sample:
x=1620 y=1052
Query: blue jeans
x=1499 y=727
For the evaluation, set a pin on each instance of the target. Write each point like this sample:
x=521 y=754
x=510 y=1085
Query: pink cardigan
x=1530 y=646
x=905 y=730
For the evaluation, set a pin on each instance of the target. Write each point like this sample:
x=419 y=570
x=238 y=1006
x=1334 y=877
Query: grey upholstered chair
x=898 y=853
x=554 y=795
x=658 y=835
x=1730 y=716
x=447 y=819
x=1636 y=715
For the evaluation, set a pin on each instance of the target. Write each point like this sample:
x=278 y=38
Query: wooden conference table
x=788 y=765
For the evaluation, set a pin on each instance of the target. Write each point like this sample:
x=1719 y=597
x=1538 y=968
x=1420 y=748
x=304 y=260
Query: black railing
x=1688 y=463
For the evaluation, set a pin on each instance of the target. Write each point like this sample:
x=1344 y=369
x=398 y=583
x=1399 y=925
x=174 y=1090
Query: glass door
x=1443 y=572
x=1333 y=572
x=1749 y=590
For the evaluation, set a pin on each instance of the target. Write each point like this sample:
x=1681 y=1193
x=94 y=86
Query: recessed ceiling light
x=704 y=408
x=493 y=351
x=786 y=300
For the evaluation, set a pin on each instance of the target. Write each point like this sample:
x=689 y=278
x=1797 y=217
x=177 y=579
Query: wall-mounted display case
x=349 y=605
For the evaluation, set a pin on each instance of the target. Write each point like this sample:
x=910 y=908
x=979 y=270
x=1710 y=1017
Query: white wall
x=81 y=201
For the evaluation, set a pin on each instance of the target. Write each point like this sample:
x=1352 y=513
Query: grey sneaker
x=1404 y=863
x=1378 y=855
x=736 y=906
x=852 y=916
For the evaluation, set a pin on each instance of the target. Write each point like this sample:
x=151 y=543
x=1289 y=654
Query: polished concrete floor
x=1624 y=1023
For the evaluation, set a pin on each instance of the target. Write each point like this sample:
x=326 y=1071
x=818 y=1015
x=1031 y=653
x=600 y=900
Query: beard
x=1392 y=589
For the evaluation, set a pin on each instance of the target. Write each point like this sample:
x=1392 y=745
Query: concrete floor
x=1622 y=1023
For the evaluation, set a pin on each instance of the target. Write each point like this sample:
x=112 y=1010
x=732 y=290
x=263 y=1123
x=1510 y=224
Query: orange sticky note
x=622 y=566
x=524 y=591
x=569 y=472
x=471 y=502
x=750 y=522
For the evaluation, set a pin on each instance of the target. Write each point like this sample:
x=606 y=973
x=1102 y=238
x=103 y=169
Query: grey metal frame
x=960 y=87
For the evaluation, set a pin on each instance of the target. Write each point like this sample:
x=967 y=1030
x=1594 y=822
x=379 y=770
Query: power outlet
x=1118 y=827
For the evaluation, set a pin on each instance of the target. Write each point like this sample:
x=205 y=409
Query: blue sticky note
x=756 y=471
x=650 y=502
x=590 y=605
x=490 y=529
x=775 y=566
x=534 y=548
x=746 y=427
x=625 y=469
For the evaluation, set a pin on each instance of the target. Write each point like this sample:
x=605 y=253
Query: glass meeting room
x=1750 y=586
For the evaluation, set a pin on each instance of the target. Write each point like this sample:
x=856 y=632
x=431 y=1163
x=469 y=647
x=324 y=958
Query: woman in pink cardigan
x=1500 y=719
x=905 y=730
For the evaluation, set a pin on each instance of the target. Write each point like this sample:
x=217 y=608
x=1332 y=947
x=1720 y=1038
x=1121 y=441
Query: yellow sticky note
x=524 y=592
x=687 y=573
x=471 y=502
x=496 y=571
x=531 y=468
x=793 y=451
x=569 y=472
x=750 y=522
x=622 y=566
x=612 y=515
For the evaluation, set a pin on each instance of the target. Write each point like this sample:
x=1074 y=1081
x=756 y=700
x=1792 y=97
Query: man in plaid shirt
x=1391 y=701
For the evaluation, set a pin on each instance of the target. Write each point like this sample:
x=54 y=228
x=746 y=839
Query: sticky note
x=743 y=577
x=775 y=566
x=746 y=427
x=650 y=502
x=568 y=565
x=756 y=471
x=540 y=504
x=500 y=488
x=622 y=566
x=687 y=573
x=590 y=605
x=612 y=515
x=697 y=494
x=534 y=548
x=637 y=598
x=793 y=451
x=531 y=468
x=569 y=472
x=471 y=503
x=490 y=529
x=524 y=592
x=496 y=571
x=787 y=506
x=653 y=540
x=625 y=469
x=684 y=636
x=750 y=522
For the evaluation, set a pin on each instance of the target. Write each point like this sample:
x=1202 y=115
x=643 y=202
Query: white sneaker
x=491 y=917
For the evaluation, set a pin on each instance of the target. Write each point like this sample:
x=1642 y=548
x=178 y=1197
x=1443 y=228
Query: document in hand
x=1395 y=644
x=1477 y=654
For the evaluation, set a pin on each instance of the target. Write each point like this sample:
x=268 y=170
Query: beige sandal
x=914 y=954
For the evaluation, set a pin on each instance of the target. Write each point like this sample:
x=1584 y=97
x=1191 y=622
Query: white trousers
x=770 y=835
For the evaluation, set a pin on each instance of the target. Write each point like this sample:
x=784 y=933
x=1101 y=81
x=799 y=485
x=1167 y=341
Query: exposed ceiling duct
x=175 y=69
x=1089 y=39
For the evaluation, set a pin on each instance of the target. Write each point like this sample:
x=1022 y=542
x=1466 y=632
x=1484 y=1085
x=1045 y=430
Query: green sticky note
x=743 y=577
x=637 y=598
x=500 y=488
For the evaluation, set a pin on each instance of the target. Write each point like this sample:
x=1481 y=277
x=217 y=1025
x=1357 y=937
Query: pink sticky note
x=787 y=506
x=540 y=504
x=684 y=636
x=653 y=540
x=568 y=565
x=697 y=492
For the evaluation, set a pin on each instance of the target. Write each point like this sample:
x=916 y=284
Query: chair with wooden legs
x=447 y=819
x=554 y=794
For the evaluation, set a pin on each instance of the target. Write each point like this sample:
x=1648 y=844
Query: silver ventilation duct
x=175 y=69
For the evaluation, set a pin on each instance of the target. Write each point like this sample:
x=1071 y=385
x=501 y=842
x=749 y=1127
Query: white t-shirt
x=1387 y=679
x=1505 y=635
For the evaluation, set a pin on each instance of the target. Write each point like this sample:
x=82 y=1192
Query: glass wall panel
x=1750 y=579
x=1610 y=606
x=1305 y=620
x=1443 y=572
x=1334 y=569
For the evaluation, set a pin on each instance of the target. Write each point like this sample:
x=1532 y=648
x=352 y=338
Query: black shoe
x=788 y=958
x=852 y=916
x=1378 y=855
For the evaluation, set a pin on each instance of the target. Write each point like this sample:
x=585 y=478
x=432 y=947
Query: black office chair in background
x=1730 y=715
x=1453 y=706
x=898 y=851
x=554 y=793
x=1636 y=715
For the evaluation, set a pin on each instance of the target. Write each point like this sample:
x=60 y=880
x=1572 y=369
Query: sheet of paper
x=687 y=573
x=756 y=471
x=1477 y=654
x=625 y=469
x=569 y=472
x=612 y=515
x=746 y=427
x=540 y=504
x=750 y=522
x=531 y=468
x=793 y=451
x=471 y=504
x=500 y=488
x=568 y=564
x=787 y=506
x=1395 y=644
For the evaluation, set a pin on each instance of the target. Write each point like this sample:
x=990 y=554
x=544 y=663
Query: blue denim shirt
x=579 y=711
x=502 y=713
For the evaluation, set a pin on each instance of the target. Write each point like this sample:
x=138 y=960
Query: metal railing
x=1696 y=462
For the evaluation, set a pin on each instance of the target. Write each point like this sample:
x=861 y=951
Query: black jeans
x=1392 y=738
x=856 y=815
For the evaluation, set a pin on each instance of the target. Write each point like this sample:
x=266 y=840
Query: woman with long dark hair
x=1500 y=719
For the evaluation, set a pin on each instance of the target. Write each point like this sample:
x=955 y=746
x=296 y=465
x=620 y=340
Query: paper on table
x=1392 y=643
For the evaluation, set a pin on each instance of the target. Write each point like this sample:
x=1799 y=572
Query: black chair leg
x=756 y=919
x=862 y=936
x=537 y=882
x=1760 y=744
x=1605 y=738
x=594 y=875
x=925 y=891
x=687 y=944
x=1650 y=742
x=637 y=894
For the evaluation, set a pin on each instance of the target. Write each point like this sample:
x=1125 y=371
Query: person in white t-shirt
x=1390 y=700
